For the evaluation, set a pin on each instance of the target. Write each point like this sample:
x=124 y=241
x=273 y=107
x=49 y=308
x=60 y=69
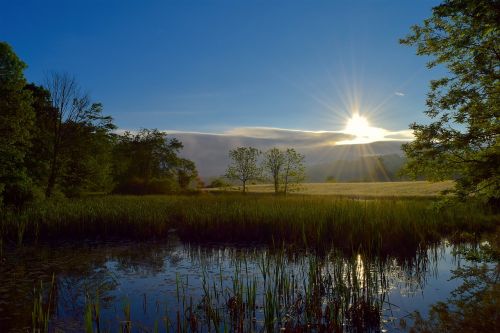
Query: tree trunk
x=244 y=186
x=285 y=180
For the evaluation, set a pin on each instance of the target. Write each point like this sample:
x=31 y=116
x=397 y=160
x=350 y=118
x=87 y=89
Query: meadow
x=407 y=189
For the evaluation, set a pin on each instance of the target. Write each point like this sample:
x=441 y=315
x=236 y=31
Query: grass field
x=371 y=189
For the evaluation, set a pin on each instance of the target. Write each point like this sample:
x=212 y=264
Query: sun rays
x=363 y=132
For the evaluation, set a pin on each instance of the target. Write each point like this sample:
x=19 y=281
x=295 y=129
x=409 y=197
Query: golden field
x=368 y=189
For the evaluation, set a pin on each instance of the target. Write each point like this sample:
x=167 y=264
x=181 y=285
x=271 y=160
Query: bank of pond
x=233 y=263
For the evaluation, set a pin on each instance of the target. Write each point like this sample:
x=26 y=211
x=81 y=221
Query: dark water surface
x=140 y=286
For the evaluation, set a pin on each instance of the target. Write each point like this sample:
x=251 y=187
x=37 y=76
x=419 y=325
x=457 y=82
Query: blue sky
x=211 y=66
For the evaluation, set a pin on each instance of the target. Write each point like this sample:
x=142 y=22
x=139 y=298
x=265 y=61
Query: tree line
x=284 y=168
x=54 y=140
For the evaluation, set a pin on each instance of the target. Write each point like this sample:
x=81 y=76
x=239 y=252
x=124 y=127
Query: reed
x=42 y=307
x=256 y=290
x=309 y=294
x=303 y=221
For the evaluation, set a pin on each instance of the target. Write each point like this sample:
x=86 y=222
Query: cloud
x=404 y=135
x=270 y=136
x=273 y=136
x=284 y=136
x=398 y=93
x=210 y=150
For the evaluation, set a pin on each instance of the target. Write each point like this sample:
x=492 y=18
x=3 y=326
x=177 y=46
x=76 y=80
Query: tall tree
x=74 y=112
x=243 y=165
x=16 y=122
x=461 y=140
x=274 y=161
x=38 y=158
x=293 y=169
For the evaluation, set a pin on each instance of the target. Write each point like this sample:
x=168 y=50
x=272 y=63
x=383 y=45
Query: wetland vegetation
x=316 y=221
x=172 y=286
x=231 y=262
x=106 y=230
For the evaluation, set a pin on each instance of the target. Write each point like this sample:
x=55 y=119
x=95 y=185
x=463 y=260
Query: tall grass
x=311 y=221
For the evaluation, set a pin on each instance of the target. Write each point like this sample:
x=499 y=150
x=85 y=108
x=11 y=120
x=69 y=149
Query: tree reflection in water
x=202 y=288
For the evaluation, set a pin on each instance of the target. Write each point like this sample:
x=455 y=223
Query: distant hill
x=365 y=168
x=377 y=161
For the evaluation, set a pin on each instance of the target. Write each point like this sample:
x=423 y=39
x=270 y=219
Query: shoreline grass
x=298 y=220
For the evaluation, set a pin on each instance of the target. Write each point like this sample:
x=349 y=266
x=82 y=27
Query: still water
x=173 y=286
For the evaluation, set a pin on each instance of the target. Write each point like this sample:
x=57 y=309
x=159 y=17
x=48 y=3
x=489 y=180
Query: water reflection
x=139 y=286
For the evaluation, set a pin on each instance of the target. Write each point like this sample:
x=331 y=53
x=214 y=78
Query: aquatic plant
x=41 y=313
x=303 y=221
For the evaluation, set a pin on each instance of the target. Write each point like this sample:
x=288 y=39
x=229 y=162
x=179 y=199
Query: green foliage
x=273 y=164
x=294 y=170
x=186 y=173
x=53 y=137
x=37 y=161
x=16 y=122
x=148 y=163
x=461 y=141
x=218 y=183
x=285 y=168
x=244 y=165
x=86 y=160
x=77 y=137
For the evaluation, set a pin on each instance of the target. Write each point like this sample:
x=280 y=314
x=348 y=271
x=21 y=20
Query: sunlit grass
x=407 y=189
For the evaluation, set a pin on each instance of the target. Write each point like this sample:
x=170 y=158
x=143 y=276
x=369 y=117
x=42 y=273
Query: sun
x=359 y=127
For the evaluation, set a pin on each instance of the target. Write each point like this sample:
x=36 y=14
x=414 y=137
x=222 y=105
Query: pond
x=174 y=286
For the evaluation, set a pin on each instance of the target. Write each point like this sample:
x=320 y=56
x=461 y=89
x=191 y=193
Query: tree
x=243 y=165
x=274 y=161
x=474 y=304
x=186 y=173
x=148 y=162
x=38 y=157
x=74 y=114
x=461 y=141
x=86 y=158
x=16 y=122
x=293 y=170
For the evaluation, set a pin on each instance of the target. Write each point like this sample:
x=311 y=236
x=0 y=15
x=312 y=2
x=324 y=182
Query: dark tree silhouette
x=74 y=113
x=16 y=122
